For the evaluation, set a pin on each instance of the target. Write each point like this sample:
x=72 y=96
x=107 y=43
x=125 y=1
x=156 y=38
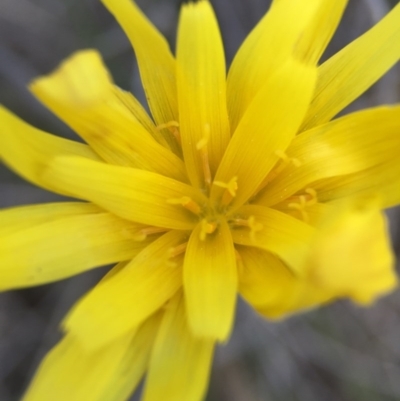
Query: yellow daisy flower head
x=245 y=184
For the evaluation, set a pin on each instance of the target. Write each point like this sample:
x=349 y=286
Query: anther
x=313 y=193
x=201 y=146
x=282 y=155
x=309 y=199
x=300 y=207
x=187 y=202
x=286 y=159
x=279 y=167
x=230 y=190
x=251 y=223
x=254 y=227
x=173 y=128
x=207 y=228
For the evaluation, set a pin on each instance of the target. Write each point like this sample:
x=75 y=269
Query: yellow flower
x=233 y=185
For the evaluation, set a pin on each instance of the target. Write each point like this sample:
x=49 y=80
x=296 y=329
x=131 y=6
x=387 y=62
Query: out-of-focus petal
x=82 y=94
x=275 y=232
x=28 y=150
x=180 y=362
x=22 y=217
x=382 y=181
x=351 y=256
x=271 y=288
x=71 y=372
x=40 y=244
x=134 y=363
x=125 y=299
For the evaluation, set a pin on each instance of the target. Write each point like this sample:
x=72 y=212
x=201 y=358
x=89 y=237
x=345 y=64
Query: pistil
x=304 y=201
x=251 y=223
x=230 y=190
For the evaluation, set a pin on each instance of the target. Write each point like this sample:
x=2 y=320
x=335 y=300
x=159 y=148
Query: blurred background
x=336 y=353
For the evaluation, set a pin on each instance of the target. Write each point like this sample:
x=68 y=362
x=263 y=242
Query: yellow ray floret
x=238 y=185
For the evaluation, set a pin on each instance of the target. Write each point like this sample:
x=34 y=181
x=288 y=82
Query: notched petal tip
x=80 y=79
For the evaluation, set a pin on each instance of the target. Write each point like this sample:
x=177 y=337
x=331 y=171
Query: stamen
x=251 y=223
x=187 y=203
x=286 y=159
x=207 y=228
x=313 y=193
x=173 y=128
x=230 y=190
x=174 y=252
x=282 y=155
x=201 y=146
x=303 y=202
x=300 y=208
x=177 y=250
x=279 y=167
x=254 y=227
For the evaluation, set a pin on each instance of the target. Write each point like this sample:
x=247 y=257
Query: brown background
x=336 y=353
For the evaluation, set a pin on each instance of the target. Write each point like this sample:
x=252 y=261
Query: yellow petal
x=82 y=94
x=64 y=242
x=271 y=288
x=125 y=299
x=320 y=29
x=273 y=42
x=347 y=74
x=139 y=112
x=382 y=181
x=73 y=373
x=23 y=217
x=204 y=126
x=134 y=363
x=180 y=362
x=27 y=150
x=133 y=194
x=351 y=255
x=312 y=214
x=266 y=130
x=156 y=63
x=275 y=232
x=210 y=282
x=344 y=146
